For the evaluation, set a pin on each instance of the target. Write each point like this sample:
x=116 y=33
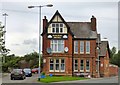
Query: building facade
x=73 y=48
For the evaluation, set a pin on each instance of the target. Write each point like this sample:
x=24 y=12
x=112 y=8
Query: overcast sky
x=22 y=23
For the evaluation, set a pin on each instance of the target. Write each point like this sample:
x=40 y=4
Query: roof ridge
x=78 y=22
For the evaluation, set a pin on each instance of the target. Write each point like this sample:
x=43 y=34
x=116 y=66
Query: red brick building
x=70 y=48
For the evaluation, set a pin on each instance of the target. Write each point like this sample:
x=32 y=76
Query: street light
x=98 y=59
x=5 y=15
x=48 y=5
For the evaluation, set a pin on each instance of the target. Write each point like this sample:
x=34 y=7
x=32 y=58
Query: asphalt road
x=33 y=79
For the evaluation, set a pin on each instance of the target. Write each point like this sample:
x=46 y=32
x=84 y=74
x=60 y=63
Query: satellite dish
x=49 y=50
x=66 y=49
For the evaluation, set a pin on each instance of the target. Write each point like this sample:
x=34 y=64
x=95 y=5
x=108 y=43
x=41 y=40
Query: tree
x=3 y=50
x=115 y=57
x=112 y=52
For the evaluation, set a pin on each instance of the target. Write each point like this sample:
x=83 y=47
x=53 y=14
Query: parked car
x=17 y=74
x=35 y=70
x=28 y=72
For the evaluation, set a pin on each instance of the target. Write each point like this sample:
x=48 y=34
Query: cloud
x=30 y=42
x=15 y=44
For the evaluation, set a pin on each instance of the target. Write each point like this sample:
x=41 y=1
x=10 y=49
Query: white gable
x=57 y=19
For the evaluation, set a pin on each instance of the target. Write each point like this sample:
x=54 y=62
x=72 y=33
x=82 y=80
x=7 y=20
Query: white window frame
x=61 y=64
x=58 y=67
x=59 y=27
x=83 y=66
x=75 y=64
x=75 y=47
x=53 y=65
x=57 y=43
x=86 y=65
x=81 y=47
x=87 y=47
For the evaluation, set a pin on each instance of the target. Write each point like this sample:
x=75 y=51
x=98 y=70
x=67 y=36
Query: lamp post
x=98 y=59
x=49 y=5
x=5 y=15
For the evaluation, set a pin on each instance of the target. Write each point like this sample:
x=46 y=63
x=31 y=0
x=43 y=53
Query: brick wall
x=113 y=70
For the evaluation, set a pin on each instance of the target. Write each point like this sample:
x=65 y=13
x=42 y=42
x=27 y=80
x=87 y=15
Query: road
x=33 y=79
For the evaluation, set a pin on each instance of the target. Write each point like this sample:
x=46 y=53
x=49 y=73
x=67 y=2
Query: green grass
x=49 y=79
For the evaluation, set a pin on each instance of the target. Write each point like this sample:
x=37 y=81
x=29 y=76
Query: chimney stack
x=45 y=21
x=93 y=23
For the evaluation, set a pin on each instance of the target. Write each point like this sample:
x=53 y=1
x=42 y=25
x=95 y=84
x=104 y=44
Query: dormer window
x=57 y=28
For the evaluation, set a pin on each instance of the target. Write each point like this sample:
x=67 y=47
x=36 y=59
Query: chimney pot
x=44 y=17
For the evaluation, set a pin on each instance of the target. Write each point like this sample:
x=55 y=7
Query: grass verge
x=49 y=79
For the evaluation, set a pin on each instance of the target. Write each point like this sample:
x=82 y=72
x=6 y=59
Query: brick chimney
x=93 y=23
x=45 y=21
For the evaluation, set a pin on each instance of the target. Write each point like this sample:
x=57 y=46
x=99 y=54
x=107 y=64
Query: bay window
x=57 y=65
x=57 y=45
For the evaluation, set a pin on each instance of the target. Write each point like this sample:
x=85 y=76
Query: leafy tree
x=112 y=52
x=3 y=50
x=115 y=57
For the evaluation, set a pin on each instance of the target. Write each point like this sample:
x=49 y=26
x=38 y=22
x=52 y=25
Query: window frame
x=75 y=45
x=59 y=27
x=87 y=47
x=58 y=65
x=82 y=64
x=62 y=64
x=81 y=46
x=87 y=70
x=55 y=46
x=75 y=70
x=49 y=65
x=54 y=65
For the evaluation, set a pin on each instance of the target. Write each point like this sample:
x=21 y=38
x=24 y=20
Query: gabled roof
x=104 y=47
x=58 y=14
x=51 y=21
x=82 y=30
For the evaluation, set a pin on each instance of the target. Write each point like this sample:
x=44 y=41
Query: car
x=28 y=72
x=17 y=74
x=35 y=70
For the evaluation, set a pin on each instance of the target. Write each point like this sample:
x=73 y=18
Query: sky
x=22 y=23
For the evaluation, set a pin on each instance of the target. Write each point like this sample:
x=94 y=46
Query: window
x=57 y=65
x=87 y=65
x=82 y=65
x=75 y=46
x=87 y=46
x=75 y=65
x=62 y=65
x=57 y=28
x=57 y=45
x=51 y=65
x=81 y=47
